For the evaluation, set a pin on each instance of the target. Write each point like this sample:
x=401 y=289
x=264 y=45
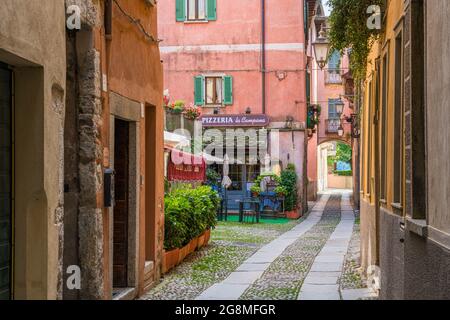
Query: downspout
x=263 y=55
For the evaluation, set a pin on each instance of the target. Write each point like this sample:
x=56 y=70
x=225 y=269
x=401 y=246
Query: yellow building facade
x=405 y=224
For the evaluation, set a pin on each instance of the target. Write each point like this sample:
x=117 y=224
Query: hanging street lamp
x=321 y=47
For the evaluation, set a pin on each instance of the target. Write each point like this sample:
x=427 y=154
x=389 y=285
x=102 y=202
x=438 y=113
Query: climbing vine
x=348 y=23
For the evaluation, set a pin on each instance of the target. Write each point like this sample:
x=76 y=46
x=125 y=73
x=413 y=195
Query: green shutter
x=227 y=90
x=199 y=85
x=181 y=10
x=212 y=10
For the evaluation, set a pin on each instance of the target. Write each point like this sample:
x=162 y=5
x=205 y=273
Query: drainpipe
x=263 y=54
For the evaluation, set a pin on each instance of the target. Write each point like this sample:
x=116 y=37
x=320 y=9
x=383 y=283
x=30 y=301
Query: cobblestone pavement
x=352 y=276
x=231 y=244
x=283 y=279
x=234 y=243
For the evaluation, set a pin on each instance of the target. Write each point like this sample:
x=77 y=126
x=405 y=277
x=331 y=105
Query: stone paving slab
x=326 y=266
x=322 y=282
x=331 y=295
x=237 y=282
x=253 y=267
x=243 y=277
x=223 y=291
x=358 y=294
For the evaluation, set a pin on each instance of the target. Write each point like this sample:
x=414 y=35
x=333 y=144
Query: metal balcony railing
x=333 y=77
x=332 y=125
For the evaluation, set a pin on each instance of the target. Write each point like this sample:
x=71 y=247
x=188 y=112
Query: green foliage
x=274 y=177
x=188 y=213
x=348 y=173
x=281 y=191
x=178 y=106
x=213 y=177
x=166 y=185
x=289 y=182
x=255 y=189
x=348 y=22
x=343 y=152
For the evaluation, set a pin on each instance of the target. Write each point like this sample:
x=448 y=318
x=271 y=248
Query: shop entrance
x=6 y=183
x=242 y=177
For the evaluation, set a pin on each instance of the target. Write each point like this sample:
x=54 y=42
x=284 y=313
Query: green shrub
x=346 y=173
x=188 y=213
x=289 y=182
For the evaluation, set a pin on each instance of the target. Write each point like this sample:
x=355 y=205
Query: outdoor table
x=242 y=204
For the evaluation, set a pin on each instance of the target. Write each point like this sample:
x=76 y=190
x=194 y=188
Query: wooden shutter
x=227 y=90
x=199 y=89
x=181 y=10
x=335 y=61
x=212 y=10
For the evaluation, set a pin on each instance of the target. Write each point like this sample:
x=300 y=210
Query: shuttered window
x=213 y=90
x=196 y=10
x=199 y=85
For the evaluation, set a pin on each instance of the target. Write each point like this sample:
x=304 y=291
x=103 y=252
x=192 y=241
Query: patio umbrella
x=226 y=181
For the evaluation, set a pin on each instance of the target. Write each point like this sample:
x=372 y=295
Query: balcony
x=332 y=125
x=333 y=77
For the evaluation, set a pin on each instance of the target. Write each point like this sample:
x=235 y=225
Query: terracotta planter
x=294 y=214
x=207 y=236
x=193 y=245
x=170 y=259
x=183 y=253
x=201 y=241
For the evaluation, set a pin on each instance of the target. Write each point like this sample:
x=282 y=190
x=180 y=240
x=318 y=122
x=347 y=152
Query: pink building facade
x=326 y=90
x=231 y=57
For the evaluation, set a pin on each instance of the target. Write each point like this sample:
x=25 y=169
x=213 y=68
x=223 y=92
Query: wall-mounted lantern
x=321 y=47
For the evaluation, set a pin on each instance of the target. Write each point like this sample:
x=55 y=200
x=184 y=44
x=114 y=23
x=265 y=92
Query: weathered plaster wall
x=32 y=41
x=135 y=72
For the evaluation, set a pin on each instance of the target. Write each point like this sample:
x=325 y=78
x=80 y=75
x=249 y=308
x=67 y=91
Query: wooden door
x=121 y=186
x=5 y=184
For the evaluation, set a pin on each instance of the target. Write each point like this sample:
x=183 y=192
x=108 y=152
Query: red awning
x=184 y=166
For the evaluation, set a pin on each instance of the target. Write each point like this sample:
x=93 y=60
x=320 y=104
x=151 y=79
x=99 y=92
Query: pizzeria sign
x=233 y=120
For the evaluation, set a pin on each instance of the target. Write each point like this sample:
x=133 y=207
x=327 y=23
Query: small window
x=332 y=110
x=214 y=90
x=334 y=68
x=196 y=10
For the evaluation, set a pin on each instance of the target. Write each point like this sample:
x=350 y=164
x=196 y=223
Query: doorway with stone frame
x=124 y=222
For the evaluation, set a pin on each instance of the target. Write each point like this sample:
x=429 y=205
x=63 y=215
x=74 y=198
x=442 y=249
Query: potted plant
x=176 y=107
x=255 y=190
x=280 y=191
x=192 y=112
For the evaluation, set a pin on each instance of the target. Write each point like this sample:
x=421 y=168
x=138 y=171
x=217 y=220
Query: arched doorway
x=334 y=165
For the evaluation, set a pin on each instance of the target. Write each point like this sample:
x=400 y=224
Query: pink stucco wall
x=188 y=50
x=321 y=93
x=231 y=45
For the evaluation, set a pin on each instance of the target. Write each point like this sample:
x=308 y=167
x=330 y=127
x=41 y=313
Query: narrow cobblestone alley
x=316 y=257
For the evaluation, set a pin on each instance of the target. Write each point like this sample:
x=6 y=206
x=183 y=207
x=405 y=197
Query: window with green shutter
x=199 y=95
x=196 y=10
x=180 y=10
x=212 y=10
x=227 y=90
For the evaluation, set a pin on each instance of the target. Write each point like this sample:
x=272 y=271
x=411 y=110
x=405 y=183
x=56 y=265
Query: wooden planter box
x=207 y=236
x=193 y=245
x=201 y=241
x=294 y=214
x=183 y=253
x=170 y=259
